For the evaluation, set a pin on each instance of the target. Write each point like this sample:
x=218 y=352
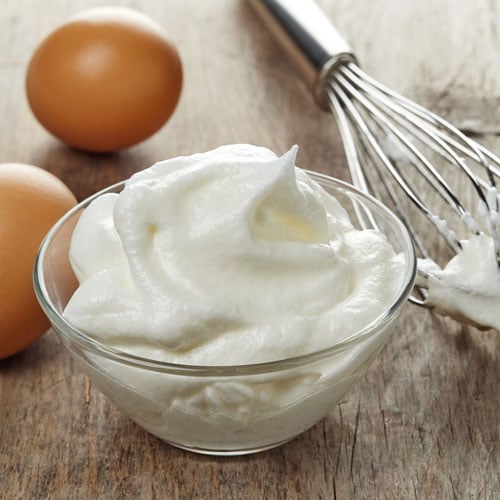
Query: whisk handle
x=310 y=39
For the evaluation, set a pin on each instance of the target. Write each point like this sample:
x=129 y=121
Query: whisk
x=396 y=150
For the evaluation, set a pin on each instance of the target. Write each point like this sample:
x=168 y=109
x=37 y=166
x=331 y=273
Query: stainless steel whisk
x=393 y=146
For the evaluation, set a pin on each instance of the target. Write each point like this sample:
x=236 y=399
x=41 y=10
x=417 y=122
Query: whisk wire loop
x=443 y=132
x=418 y=119
x=380 y=119
x=368 y=136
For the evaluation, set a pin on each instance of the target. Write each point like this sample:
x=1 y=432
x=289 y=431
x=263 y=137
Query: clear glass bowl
x=224 y=410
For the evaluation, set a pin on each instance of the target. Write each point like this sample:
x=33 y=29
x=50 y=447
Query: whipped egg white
x=468 y=287
x=234 y=256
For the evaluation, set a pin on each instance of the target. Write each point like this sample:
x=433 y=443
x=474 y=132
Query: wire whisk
x=402 y=153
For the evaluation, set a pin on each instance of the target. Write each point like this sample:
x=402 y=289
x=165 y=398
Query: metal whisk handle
x=307 y=35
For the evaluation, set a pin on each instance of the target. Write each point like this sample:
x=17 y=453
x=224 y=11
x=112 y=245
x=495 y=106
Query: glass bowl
x=224 y=410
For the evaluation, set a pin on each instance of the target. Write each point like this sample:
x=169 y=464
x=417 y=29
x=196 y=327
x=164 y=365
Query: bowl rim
x=64 y=328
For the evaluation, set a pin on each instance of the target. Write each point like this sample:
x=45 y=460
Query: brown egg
x=105 y=80
x=31 y=201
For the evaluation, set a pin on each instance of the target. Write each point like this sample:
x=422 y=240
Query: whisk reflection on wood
x=411 y=159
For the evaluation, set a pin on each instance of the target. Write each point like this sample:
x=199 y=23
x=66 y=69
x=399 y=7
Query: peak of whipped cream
x=231 y=256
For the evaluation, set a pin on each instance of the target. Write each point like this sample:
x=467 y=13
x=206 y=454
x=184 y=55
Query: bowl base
x=226 y=452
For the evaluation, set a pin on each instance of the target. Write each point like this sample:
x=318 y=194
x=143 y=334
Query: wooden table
x=423 y=423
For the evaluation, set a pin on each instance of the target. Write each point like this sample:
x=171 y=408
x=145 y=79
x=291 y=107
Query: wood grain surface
x=423 y=423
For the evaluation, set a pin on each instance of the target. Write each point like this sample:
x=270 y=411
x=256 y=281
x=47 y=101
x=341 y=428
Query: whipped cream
x=233 y=256
x=229 y=257
x=468 y=288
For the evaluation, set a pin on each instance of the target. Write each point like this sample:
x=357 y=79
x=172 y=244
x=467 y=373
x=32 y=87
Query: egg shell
x=104 y=80
x=31 y=201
